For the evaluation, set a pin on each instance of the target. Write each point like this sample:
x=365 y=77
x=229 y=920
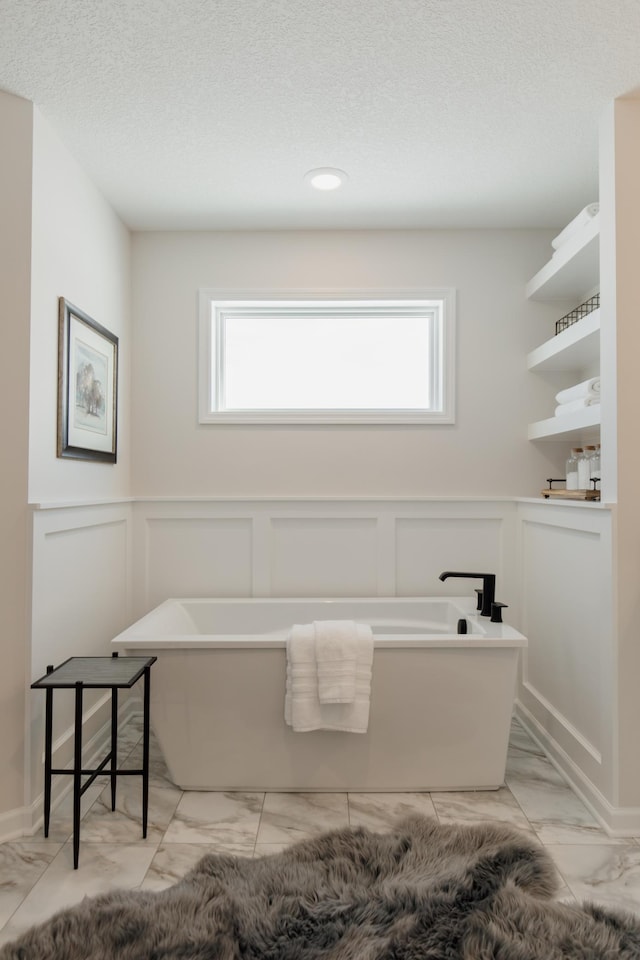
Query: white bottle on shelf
x=584 y=471
x=572 y=469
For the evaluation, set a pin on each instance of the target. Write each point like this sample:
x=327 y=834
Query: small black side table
x=80 y=673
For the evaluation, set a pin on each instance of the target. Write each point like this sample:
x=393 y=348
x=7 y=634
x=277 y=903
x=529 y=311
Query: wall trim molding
x=617 y=821
x=15 y=824
x=319 y=498
x=558 y=718
x=36 y=506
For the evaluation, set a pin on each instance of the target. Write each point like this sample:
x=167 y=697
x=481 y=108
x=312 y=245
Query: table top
x=96 y=672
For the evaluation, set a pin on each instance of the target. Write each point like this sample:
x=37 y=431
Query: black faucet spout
x=488 y=587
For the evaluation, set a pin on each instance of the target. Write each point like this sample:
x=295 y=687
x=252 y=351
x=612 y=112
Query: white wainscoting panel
x=567 y=678
x=304 y=547
x=324 y=557
x=96 y=568
x=81 y=597
x=427 y=547
x=198 y=557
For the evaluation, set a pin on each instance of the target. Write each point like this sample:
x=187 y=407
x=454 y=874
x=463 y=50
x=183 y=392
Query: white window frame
x=213 y=304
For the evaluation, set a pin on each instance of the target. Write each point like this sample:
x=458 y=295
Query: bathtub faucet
x=488 y=587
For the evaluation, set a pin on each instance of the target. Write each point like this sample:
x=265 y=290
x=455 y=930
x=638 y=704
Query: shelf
x=575 y=348
x=572 y=271
x=582 y=425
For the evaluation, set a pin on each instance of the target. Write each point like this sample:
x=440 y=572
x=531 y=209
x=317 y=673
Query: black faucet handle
x=466 y=576
x=488 y=586
x=479 y=603
x=496 y=611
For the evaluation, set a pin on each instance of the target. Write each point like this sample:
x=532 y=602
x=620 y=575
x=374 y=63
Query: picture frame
x=87 y=387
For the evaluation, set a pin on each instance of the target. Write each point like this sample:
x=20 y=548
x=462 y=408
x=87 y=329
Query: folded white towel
x=588 y=388
x=574 y=405
x=302 y=708
x=302 y=681
x=336 y=660
x=578 y=223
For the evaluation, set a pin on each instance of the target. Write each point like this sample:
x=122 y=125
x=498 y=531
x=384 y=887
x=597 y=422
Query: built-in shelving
x=580 y=425
x=570 y=275
x=575 y=348
x=572 y=270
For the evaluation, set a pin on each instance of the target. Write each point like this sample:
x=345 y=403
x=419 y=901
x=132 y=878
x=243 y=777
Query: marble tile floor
x=37 y=876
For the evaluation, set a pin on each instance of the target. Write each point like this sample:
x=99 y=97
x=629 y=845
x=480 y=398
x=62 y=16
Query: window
x=326 y=361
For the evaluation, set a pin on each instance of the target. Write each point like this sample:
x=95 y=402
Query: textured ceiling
x=206 y=114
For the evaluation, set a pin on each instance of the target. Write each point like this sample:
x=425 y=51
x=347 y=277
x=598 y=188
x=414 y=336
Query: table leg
x=114 y=744
x=77 y=775
x=145 y=750
x=48 y=737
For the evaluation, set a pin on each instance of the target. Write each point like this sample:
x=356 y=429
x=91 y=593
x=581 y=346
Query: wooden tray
x=571 y=494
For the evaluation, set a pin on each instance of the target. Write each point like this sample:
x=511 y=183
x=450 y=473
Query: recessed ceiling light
x=326 y=178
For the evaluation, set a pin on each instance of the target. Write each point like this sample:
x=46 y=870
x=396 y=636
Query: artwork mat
x=87 y=387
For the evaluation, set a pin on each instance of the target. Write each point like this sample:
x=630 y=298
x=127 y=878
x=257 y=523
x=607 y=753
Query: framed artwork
x=87 y=387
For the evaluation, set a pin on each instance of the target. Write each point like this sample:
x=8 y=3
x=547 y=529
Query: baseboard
x=14 y=824
x=617 y=821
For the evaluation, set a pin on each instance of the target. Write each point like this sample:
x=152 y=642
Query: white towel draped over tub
x=313 y=652
x=336 y=643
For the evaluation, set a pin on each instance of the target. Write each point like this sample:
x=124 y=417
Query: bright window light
x=326 y=361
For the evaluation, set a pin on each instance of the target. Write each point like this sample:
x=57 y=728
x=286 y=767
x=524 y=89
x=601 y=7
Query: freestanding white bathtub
x=441 y=701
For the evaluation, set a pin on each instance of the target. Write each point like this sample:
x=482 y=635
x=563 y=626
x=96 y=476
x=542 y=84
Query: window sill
x=322 y=417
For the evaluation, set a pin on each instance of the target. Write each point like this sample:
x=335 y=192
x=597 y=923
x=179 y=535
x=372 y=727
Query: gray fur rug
x=423 y=892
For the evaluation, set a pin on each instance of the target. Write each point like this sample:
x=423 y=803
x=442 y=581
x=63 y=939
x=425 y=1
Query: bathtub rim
x=492 y=634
